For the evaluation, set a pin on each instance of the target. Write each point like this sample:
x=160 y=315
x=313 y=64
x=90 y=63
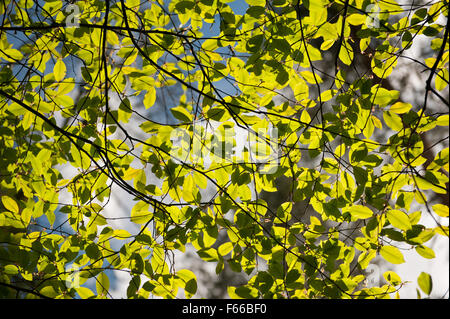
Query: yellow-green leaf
x=398 y=219
x=102 y=284
x=425 y=282
x=443 y=120
x=140 y=216
x=442 y=230
x=10 y=270
x=356 y=19
x=150 y=97
x=441 y=210
x=400 y=107
x=59 y=70
x=393 y=121
x=392 y=278
x=181 y=113
x=189 y=189
x=225 y=248
x=84 y=292
x=121 y=234
x=327 y=95
x=189 y=282
x=392 y=254
x=441 y=79
x=425 y=252
x=383 y=97
x=327 y=44
x=360 y=212
x=390 y=6
x=346 y=53
x=311 y=77
x=10 y=204
x=11 y=55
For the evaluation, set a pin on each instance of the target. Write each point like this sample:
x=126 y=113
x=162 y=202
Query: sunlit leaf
x=10 y=204
x=425 y=252
x=392 y=254
x=102 y=284
x=441 y=210
x=398 y=219
x=360 y=212
x=59 y=70
x=392 y=278
x=425 y=282
x=400 y=107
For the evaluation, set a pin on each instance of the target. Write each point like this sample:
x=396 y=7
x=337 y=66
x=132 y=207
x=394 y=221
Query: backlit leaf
x=10 y=204
x=59 y=70
x=425 y=252
x=392 y=254
x=360 y=212
x=425 y=282
x=398 y=219
x=400 y=107
x=102 y=284
x=441 y=210
x=392 y=278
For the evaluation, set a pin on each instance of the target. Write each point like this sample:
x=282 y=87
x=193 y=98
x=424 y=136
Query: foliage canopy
x=153 y=98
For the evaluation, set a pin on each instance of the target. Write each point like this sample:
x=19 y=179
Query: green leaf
x=441 y=210
x=393 y=121
x=216 y=113
x=392 y=254
x=356 y=19
x=392 y=278
x=149 y=97
x=441 y=80
x=102 y=284
x=10 y=204
x=225 y=248
x=398 y=219
x=400 y=107
x=425 y=252
x=346 y=53
x=389 y=5
x=124 y=111
x=360 y=212
x=133 y=286
x=425 y=282
x=140 y=213
x=121 y=234
x=59 y=70
x=190 y=282
x=11 y=270
x=383 y=97
x=181 y=114
x=208 y=254
x=92 y=251
x=242 y=292
x=261 y=3
x=327 y=44
x=84 y=292
x=12 y=55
